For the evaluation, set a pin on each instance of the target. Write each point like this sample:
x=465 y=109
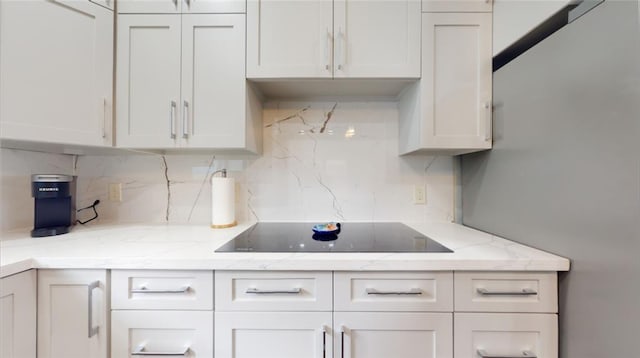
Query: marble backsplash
x=321 y=161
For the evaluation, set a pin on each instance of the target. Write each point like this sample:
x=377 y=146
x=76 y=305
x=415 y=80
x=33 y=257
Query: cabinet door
x=213 y=81
x=18 y=315
x=165 y=333
x=289 y=39
x=456 y=80
x=400 y=335
x=56 y=65
x=149 y=6
x=148 y=83
x=214 y=6
x=376 y=39
x=273 y=335
x=72 y=313
x=506 y=335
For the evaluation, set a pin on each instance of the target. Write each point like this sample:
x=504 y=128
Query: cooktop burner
x=352 y=237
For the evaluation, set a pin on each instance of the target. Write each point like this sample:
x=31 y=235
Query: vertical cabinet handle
x=104 y=117
x=175 y=3
x=172 y=120
x=92 y=331
x=487 y=129
x=342 y=331
x=188 y=3
x=327 y=50
x=525 y=354
x=342 y=46
x=185 y=120
x=324 y=341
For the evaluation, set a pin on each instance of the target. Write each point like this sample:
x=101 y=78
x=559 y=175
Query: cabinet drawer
x=158 y=289
x=505 y=335
x=506 y=292
x=273 y=291
x=393 y=291
x=166 y=333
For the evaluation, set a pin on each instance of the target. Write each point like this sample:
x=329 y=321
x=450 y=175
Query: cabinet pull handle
x=413 y=291
x=524 y=292
x=525 y=354
x=175 y=3
x=324 y=342
x=327 y=51
x=342 y=49
x=487 y=129
x=144 y=289
x=140 y=351
x=185 y=120
x=172 y=119
x=188 y=3
x=104 y=117
x=92 y=331
x=293 y=291
x=342 y=329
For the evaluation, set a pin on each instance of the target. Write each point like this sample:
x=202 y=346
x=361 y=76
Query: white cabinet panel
x=273 y=291
x=149 y=6
x=167 y=333
x=213 y=81
x=148 y=80
x=161 y=289
x=56 y=65
x=393 y=291
x=18 y=315
x=506 y=334
x=393 y=334
x=377 y=39
x=457 y=5
x=273 y=335
x=72 y=313
x=214 y=6
x=289 y=39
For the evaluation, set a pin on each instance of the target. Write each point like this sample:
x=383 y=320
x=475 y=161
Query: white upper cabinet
x=325 y=39
x=180 y=6
x=450 y=110
x=457 y=5
x=181 y=83
x=376 y=39
x=56 y=65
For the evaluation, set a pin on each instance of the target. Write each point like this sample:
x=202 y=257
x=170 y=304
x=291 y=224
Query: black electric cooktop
x=353 y=237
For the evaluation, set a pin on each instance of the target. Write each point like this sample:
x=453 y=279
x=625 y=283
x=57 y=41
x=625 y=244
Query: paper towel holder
x=226 y=219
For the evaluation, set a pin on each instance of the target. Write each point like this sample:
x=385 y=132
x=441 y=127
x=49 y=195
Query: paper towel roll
x=222 y=203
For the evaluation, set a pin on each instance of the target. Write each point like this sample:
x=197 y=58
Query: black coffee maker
x=54 y=211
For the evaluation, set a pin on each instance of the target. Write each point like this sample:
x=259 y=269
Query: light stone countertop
x=191 y=247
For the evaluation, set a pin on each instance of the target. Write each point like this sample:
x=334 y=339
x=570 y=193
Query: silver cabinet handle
x=525 y=354
x=524 y=292
x=144 y=289
x=172 y=119
x=140 y=351
x=327 y=50
x=175 y=3
x=104 y=117
x=487 y=130
x=342 y=49
x=324 y=341
x=293 y=291
x=92 y=331
x=188 y=3
x=185 y=120
x=342 y=329
x=413 y=291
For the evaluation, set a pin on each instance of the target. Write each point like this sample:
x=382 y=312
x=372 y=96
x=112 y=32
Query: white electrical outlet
x=115 y=191
x=419 y=194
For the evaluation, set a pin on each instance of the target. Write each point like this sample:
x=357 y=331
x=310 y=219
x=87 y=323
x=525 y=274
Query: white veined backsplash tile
x=321 y=161
x=16 y=203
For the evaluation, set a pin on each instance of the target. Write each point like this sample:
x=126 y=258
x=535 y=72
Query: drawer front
x=273 y=291
x=166 y=333
x=478 y=335
x=506 y=292
x=393 y=291
x=159 y=289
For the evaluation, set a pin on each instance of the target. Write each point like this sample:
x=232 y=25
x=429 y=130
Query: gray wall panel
x=564 y=174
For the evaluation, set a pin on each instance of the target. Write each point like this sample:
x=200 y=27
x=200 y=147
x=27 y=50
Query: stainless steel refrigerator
x=564 y=173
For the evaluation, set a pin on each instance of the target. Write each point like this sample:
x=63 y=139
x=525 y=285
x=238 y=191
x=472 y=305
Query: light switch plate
x=419 y=194
x=115 y=191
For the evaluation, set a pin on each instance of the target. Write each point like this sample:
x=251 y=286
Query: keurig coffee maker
x=54 y=211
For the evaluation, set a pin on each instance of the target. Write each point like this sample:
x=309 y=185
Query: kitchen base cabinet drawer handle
x=525 y=354
x=524 y=292
x=413 y=291
x=144 y=289
x=257 y=291
x=140 y=351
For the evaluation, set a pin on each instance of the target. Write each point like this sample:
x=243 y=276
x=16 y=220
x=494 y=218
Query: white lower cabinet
x=18 y=315
x=273 y=335
x=162 y=333
x=517 y=335
x=393 y=334
x=72 y=314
